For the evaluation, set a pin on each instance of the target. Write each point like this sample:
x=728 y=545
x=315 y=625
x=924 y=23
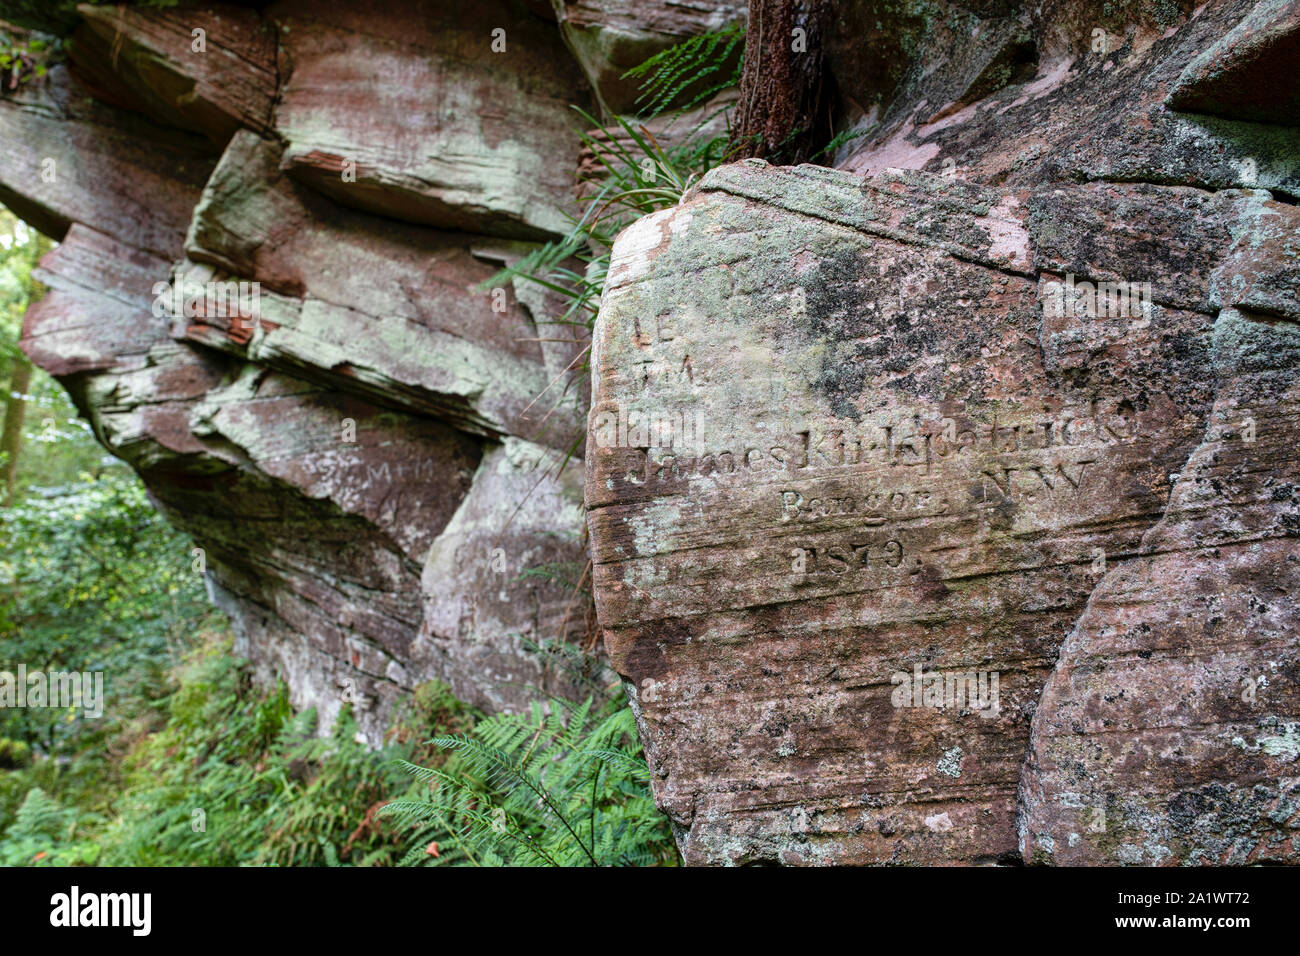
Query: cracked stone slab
x=1169 y=732
x=388 y=309
x=506 y=579
x=208 y=69
x=96 y=312
x=838 y=437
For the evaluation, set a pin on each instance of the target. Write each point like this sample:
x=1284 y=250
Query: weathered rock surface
x=311 y=542
x=824 y=533
x=158 y=62
x=429 y=115
x=433 y=342
x=340 y=391
x=1095 y=110
x=477 y=630
x=1243 y=75
x=65 y=157
x=874 y=445
x=1012 y=396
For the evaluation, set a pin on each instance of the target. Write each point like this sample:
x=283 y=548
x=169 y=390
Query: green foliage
x=194 y=791
x=56 y=445
x=692 y=72
x=633 y=179
x=93 y=579
x=237 y=779
x=234 y=778
x=44 y=833
x=636 y=181
x=320 y=825
x=841 y=138
x=562 y=785
x=24 y=58
x=19 y=251
x=13 y=754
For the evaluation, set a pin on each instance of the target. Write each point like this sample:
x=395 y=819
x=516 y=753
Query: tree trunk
x=11 y=439
x=784 y=110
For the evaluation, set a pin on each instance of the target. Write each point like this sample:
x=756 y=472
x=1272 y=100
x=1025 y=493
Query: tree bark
x=784 y=111
x=11 y=439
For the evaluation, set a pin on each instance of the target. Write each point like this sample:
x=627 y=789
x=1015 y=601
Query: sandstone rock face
x=942 y=506
x=874 y=488
x=306 y=369
x=66 y=158
x=1236 y=77
x=417 y=116
x=159 y=63
x=476 y=629
x=950 y=516
x=434 y=342
x=1094 y=110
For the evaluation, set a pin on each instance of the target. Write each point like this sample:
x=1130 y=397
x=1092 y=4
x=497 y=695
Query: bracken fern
x=563 y=785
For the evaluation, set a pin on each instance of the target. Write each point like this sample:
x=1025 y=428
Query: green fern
x=701 y=66
x=563 y=785
x=270 y=791
x=45 y=833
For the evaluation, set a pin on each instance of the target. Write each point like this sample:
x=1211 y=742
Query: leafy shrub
x=92 y=578
x=13 y=754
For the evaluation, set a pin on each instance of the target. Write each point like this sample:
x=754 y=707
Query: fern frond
x=669 y=74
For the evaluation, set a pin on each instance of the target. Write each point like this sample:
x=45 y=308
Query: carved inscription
x=852 y=497
x=925 y=446
x=907 y=474
x=847 y=558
